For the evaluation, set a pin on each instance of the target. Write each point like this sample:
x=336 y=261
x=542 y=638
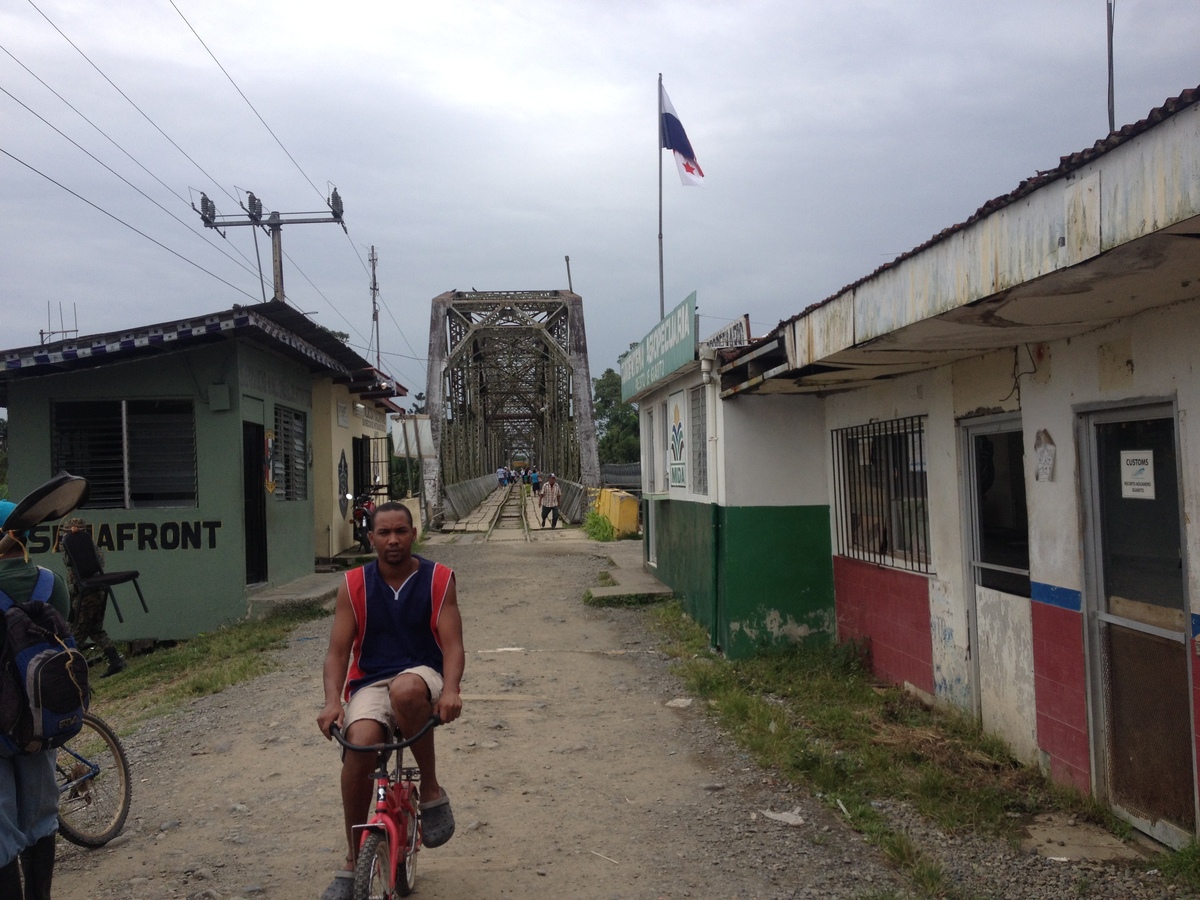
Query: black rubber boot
x=10 y=880
x=116 y=662
x=38 y=864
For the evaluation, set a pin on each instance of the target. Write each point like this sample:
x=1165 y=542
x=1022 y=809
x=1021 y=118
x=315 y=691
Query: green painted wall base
x=755 y=577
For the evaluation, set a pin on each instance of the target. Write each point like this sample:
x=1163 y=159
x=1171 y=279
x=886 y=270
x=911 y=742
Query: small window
x=135 y=454
x=699 y=441
x=291 y=457
x=880 y=493
x=1000 y=518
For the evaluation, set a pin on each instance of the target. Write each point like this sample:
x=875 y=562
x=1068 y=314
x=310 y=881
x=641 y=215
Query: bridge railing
x=574 y=503
x=466 y=495
x=626 y=476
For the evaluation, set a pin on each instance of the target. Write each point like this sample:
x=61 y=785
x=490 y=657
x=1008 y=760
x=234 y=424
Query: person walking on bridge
x=551 y=496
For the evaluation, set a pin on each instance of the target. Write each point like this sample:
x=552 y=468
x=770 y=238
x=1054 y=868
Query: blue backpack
x=43 y=677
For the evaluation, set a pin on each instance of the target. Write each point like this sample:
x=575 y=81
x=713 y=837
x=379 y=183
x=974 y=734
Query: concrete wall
x=773 y=451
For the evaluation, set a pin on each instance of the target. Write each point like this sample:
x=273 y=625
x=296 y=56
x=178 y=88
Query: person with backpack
x=28 y=790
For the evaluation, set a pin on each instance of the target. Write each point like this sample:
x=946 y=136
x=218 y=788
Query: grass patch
x=605 y=578
x=598 y=528
x=1182 y=866
x=815 y=715
x=158 y=682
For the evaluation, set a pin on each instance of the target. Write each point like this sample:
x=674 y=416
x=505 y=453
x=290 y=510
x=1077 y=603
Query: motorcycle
x=364 y=509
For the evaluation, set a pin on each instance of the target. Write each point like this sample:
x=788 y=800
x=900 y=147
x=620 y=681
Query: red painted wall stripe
x=1060 y=689
x=890 y=609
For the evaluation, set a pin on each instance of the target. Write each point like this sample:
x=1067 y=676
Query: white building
x=1009 y=462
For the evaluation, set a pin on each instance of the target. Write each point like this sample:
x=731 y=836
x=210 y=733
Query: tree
x=616 y=421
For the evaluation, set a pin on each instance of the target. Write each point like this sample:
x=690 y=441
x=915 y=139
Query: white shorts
x=372 y=701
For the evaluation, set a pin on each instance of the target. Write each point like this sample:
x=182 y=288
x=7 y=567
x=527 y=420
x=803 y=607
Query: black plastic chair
x=85 y=560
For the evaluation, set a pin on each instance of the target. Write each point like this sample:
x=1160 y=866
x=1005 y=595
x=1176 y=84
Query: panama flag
x=675 y=139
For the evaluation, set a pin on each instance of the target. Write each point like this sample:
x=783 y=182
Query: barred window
x=699 y=442
x=291 y=458
x=135 y=454
x=880 y=493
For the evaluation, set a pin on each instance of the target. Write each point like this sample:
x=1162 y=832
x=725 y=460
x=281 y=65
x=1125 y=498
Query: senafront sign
x=669 y=345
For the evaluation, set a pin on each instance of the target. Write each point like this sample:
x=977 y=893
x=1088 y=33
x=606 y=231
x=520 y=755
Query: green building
x=197 y=437
x=736 y=510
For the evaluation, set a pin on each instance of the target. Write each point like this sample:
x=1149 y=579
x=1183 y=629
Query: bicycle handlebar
x=336 y=733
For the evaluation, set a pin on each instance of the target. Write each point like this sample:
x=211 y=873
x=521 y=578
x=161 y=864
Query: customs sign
x=669 y=345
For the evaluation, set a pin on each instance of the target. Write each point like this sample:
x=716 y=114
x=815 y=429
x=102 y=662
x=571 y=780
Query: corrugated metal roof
x=274 y=323
x=1066 y=165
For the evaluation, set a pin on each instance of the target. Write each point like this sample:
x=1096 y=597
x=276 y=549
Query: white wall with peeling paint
x=1006 y=683
x=1149 y=357
x=773 y=450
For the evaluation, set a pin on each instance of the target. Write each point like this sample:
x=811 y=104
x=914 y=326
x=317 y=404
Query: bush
x=598 y=528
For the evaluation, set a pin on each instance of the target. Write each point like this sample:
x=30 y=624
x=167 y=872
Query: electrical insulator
x=208 y=209
x=335 y=203
x=255 y=207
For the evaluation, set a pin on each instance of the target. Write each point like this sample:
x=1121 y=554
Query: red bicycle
x=386 y=865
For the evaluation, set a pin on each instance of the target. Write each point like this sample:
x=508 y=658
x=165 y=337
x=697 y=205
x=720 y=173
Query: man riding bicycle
x=395 y=657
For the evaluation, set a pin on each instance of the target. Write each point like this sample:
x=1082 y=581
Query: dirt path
x=570 y=776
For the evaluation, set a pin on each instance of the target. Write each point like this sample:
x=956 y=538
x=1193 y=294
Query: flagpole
x=661 y=309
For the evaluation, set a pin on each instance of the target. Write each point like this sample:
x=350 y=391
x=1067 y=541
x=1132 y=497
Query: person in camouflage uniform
x=88 y=607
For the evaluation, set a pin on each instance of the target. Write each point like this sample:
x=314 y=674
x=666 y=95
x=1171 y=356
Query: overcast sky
x=475 y=144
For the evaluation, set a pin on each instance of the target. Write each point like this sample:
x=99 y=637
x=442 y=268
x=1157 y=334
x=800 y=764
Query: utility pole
x=1112 y=113
x=272 y=224
x=375 y=307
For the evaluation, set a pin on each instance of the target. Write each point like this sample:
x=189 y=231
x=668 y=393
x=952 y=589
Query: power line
x=126 y=224
x=108 y=138
x=401 y=330
x=287 y=153
x=126 y=180
x=247 y=99
x=131 y=103
x=300 y=169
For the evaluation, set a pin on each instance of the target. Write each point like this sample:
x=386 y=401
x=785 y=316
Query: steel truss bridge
x=508 y=375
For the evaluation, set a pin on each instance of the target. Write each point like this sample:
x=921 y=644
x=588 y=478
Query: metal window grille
x=89 y=439
x=134 y=453
x=161 y=453
x=291 y=459
x=880 y=495
x=699 y=442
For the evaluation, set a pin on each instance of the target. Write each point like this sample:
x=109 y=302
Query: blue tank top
x=395 y=630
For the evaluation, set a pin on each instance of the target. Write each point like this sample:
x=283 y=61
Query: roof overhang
x=1112 y=235
x=274 y=325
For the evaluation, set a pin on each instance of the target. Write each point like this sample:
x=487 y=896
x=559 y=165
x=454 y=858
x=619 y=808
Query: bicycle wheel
x=406 y=874
x=94 y=789
x=373 y=871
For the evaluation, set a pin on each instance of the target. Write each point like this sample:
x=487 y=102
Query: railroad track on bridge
x=510 y=515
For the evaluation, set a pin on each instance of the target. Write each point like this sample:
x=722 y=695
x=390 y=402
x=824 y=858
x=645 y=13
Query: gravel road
x=569 y=773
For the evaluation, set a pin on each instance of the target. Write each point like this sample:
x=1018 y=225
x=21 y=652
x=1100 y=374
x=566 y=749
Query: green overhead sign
x=669 y=345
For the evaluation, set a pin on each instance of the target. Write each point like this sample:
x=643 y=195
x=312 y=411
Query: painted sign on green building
x=670 y=344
